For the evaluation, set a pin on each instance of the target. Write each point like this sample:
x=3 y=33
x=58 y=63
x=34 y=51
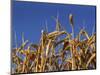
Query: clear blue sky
x=30 y=17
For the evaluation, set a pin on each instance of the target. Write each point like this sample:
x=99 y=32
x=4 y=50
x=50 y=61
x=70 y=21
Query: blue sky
x=30 y=18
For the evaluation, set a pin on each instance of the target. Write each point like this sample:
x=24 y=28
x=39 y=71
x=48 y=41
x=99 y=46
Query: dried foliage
x=52 y=54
